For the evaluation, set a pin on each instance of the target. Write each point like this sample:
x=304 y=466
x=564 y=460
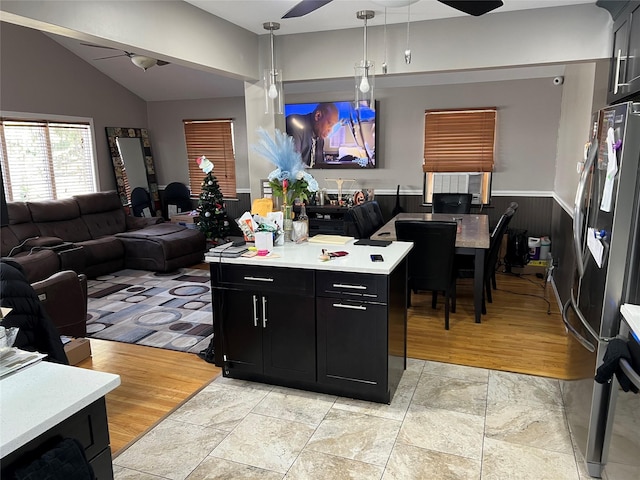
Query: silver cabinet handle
x=259 y=279
x=353 y=307
x=255 y=311
x=616 y=80
x=354 y=287
x=264 y=312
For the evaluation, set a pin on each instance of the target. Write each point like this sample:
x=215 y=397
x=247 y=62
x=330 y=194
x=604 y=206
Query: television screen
x=333 y=134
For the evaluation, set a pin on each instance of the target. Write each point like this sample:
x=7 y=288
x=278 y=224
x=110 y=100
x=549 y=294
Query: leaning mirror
x=132 y=163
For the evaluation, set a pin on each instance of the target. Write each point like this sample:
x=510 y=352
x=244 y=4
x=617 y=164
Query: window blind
x=44 y=160
x=214 y=140
x=459 y=140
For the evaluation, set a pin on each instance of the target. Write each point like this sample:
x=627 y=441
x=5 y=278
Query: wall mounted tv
x=333 y=134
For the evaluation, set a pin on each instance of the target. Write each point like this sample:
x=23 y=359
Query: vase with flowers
x=289 y=180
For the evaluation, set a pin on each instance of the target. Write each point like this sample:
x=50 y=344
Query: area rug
x=171 y=311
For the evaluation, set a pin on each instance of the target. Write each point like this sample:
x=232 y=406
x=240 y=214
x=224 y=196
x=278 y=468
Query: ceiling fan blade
x=97 y=46
x=475 y=8
x=162 y=63
x=304 y=7
x=111 y=56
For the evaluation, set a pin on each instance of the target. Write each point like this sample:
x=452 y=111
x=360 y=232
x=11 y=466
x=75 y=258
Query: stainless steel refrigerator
x=605 y=231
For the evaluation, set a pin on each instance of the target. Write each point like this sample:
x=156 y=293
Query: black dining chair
x=465 y=266
x=451 y=203
x=176 y=194
x=141 y=200
x=431 y=260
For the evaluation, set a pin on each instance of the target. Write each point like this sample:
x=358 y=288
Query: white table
x=38 y=398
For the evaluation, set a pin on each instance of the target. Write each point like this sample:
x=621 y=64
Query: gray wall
x=167 y=135
x=41 y=77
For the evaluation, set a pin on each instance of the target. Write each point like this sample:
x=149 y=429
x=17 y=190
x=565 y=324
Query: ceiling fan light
x=143 y=62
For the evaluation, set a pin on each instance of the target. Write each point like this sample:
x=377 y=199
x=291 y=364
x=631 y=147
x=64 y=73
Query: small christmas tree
x=214 y=221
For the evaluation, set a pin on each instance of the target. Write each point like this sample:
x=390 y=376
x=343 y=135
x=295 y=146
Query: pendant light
x=272 y=77
x=384 y=42
x=407 y=51
x=364 y=71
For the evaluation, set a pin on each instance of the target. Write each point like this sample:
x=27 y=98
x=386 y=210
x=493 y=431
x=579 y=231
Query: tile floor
x=445 y=422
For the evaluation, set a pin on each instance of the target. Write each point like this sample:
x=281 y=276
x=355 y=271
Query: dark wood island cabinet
x=336 y=327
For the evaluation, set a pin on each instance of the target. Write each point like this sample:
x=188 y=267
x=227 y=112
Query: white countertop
x=306 y=255
x=40 y=396
x=631 y=314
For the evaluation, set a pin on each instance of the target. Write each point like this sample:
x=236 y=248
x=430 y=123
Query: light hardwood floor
x=522 y=332
x=154 y=382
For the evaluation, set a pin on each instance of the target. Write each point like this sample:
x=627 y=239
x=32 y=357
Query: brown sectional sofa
x=92 y=234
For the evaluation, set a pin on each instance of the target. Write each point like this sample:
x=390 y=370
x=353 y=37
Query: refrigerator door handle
x=583 y=341
x=578 y=217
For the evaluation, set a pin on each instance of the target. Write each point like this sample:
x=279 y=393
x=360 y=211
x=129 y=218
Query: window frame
x=6 y=115
x=440 y=159
x=221 y=161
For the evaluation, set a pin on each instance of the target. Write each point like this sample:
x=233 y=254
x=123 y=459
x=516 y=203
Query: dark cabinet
x=342 y=333
x=325 y=219
x=624 y=74
x=265 y=323
x=352 y=346
x=355 y=331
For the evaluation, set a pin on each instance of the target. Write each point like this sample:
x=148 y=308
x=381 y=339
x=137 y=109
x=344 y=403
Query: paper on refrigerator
x=612 y=169
x=595 y=246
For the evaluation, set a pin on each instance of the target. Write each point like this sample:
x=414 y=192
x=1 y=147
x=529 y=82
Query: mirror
x=132 y=163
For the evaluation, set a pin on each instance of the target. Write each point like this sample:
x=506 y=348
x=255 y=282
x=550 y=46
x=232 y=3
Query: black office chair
x=451 y=203
x=431 y=260
x=465 y=266
x=177 y=194
x=140 y=199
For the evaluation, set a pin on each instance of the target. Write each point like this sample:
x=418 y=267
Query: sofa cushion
x=102 y=250
x=20 y=221
x=59 y=218
x=98 y=202
x=8 y=241
x=102 y=213
x=38 y=265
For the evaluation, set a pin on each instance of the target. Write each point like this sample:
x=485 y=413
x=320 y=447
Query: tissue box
x=185 y=219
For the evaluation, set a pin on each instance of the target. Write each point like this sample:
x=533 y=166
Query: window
x=45 y=160
x=214 y=140
x=459 y=150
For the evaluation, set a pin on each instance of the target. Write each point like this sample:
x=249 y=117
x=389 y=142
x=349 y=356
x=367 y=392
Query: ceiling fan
x=471 y=7
x=141 y=61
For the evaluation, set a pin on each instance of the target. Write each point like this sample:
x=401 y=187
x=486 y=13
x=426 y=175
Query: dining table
x=472 y=238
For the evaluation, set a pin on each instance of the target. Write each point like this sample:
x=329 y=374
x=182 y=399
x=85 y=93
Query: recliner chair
x=64 y=297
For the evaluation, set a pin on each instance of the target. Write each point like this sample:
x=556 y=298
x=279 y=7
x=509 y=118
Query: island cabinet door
x=352 y=347
x=289 y=327
x=241 y=332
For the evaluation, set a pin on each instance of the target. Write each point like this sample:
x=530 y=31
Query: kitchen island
x=46 y=401
x=292 y=319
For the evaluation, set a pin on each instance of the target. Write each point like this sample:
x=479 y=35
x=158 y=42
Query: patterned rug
x=170 y=311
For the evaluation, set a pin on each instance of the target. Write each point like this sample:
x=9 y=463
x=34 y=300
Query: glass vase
x=287 y=216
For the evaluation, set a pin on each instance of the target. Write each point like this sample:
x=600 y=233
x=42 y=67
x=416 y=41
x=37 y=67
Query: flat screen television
x=333 y=134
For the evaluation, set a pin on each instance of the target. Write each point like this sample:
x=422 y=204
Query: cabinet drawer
x=266 y=279
x=353 y=285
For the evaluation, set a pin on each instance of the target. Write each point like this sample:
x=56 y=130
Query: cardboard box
x=531 y=268
x=189 y=221
x=77 y=349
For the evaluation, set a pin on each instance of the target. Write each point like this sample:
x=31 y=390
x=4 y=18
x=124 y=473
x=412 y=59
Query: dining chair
x=431 y=260
x=178 y=195
x=141 y=200
x=465 y=266
x=451 y=202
